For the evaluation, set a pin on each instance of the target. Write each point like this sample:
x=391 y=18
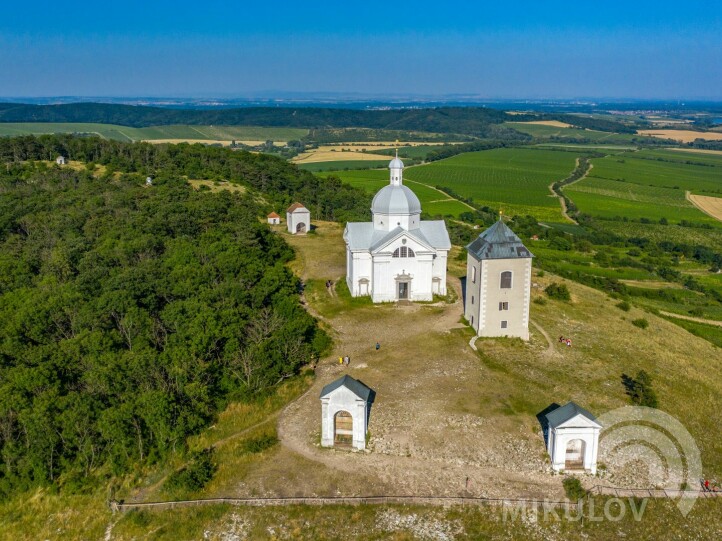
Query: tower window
x=503 y=306
x=403 y=251
x=503 y=324
x=472 y=299
x=506 y=280
x=473 y=275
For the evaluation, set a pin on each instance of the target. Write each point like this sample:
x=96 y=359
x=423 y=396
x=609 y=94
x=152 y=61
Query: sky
x=503 y=49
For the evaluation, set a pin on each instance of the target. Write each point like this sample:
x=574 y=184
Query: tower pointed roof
x=498 y=242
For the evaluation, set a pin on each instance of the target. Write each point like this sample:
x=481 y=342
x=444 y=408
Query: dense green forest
x=473 y=121
x=130 y=314
x=280 y=183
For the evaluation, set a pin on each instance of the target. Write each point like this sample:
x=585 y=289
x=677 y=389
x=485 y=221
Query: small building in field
x=498 y=283
x=149 y=181
x=274 y=219
x=345 y=405
x=572 y=438
x=60 y=160
x=298 y=219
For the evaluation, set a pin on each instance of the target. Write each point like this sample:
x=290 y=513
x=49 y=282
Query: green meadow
x=126 y=133
x=648 y=184
x=542 y=131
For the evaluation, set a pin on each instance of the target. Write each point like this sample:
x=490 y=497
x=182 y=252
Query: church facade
x=397 y=256
x=498 y=283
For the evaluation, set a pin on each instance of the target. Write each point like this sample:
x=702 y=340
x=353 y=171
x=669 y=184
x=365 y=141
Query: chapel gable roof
x=273 y=215
x=295 y=207
x=566 y=413
x=353 y=385
x=498 y=242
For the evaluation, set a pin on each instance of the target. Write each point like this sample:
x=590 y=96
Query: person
x=378 y=346
x=340 y=360
x=706 y=485
x=561 y=339
x=346 y=360
x=569 y=342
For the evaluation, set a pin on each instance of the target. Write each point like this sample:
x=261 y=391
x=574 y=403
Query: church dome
x=396 y=163
x=395 y=200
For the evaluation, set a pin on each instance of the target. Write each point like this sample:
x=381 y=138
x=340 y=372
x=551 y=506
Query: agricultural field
x=516 y=180
x=545 y=130
x=648 y=184
x=318 y=167
x=684 y=136
x=173 y=133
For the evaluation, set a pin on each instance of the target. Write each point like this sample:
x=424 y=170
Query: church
x=397 y=256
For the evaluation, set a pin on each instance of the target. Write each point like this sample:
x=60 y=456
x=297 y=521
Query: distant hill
x=476 y=121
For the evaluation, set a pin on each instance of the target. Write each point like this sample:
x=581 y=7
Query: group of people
x=567 y=341
x=329 y=283
x=345 y=360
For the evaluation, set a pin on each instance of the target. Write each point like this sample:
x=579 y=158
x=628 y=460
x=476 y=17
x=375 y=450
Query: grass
x=541 y=131
x=648 y=184
x=126 y=133
x=516 y=180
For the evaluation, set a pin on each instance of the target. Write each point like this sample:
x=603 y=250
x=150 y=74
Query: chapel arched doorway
x=343 y=428
x=301 y=228
x=574 y=459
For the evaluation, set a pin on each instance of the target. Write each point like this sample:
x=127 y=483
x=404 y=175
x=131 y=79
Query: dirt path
x=714 y=322
x=550 y=350
x=562 y=202
x=711 y=206
x=447 y=197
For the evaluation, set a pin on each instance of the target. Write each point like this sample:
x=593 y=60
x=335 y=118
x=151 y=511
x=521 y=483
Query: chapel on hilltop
x=397 y=256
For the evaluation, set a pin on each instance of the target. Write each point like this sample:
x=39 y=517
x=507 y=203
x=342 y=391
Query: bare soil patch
x=555 y=123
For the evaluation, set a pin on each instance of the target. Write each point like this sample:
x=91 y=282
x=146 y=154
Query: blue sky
x=540 y=49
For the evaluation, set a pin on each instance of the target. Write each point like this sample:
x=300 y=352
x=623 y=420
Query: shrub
x=195 y=475
x=540 y=301
x=541 y=274
x=624 y=305
x=573 y=488
x=639 y=389
x=259 y=444
x=641 y=323
x=557 y=291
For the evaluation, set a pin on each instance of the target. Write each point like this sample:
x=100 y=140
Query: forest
x=131 y=314
x=473 y=121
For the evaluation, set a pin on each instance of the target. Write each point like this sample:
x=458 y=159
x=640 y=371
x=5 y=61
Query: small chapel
x=397 y=256
x=498 y=283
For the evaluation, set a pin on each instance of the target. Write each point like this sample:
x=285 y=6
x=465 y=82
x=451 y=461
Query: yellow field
x=685 y=136
x=337 y=155
x=708 y=205
x=554 y=123
x=698 y=151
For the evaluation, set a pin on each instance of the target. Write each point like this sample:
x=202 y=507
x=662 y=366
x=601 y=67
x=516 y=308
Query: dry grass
x=652 y=284
x=685 y=136
x=223 y=142
x=217 y=186
x=709 y=205
x=555 y=123
x=333 y=155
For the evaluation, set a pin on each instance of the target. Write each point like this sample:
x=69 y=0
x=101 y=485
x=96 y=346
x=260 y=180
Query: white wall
x=343 y=400
x=558 y=439
x=296 y=217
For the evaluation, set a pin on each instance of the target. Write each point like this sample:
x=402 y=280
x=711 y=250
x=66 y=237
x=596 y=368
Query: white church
x=397 y=256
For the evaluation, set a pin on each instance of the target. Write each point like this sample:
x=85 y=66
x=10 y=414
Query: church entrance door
x=403 y=290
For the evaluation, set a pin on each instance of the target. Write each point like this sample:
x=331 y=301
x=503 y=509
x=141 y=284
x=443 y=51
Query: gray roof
x=498 y=242
x=363 y=236
x=395 y=200
x=353 y=385
x=396 y=163
x=564 y=413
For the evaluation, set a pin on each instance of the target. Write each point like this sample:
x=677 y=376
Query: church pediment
x=400 y=237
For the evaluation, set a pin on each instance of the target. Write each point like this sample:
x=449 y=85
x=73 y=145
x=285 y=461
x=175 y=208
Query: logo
x=657 y=442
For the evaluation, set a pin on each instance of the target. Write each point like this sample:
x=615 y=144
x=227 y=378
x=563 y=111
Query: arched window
x=404 y=251
x=505 y=280
x=473 y=275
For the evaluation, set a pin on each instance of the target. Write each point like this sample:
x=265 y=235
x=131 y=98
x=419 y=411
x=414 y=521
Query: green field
x=514 y=179
x=541 y=130
x=125 y=133
x=648 y=184
x=318 y=167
